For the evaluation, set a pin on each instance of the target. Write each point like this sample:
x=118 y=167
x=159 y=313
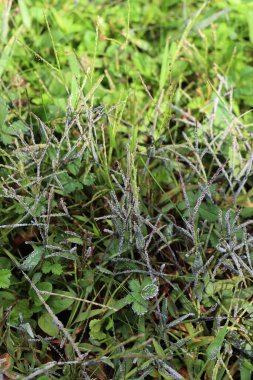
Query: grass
x=126 y=186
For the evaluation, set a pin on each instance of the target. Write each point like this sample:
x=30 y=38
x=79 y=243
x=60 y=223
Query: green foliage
x=5 y=275
x=126 y=189
x=33 y=259
x=20 y=310
x=214 y=348
x=55 y=268
x=47 y=325
x=60 y=303
x=140 y=294
x=44 y=286
x=95 y=330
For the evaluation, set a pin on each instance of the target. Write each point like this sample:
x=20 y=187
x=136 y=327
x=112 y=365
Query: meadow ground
x=126 y=189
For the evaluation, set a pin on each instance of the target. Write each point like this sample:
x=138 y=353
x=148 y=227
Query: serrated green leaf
x=139 y=309
x=5 y=275
x=139 y=306
x=134 y=285
x=46 y=267
x=72 y=186
x=149 y=291
x=129 y=298
x=55 y=268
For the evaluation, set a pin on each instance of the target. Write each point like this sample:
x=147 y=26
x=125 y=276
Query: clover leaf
x=140 y=294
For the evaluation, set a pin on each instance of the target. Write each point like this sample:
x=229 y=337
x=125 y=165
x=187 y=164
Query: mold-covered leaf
x=33 y=259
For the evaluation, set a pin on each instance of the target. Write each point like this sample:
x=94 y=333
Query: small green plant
x=141 y=293
x=5 y=275
x=126 y=178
